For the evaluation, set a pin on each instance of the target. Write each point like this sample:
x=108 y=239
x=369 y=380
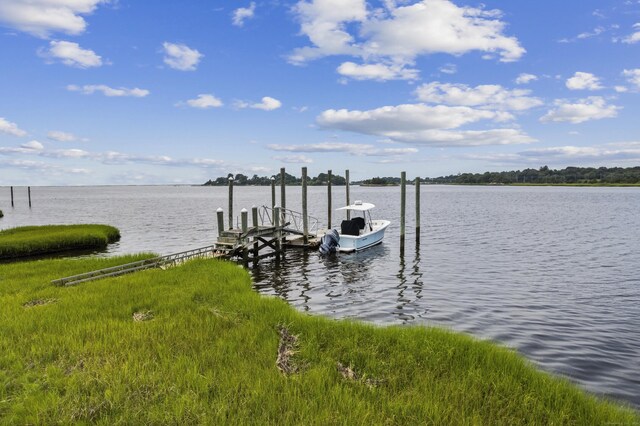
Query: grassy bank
x=39 y=240
x=195 y=344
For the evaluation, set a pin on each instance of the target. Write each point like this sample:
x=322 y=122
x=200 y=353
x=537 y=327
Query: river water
x=549 y=271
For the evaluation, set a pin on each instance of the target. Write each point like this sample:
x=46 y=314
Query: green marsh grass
x=39 y=240
x=203 y=346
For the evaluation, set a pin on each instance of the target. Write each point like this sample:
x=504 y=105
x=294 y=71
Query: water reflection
x=409 y=289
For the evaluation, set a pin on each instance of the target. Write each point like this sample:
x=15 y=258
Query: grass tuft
x=38 y=240
x=208 y=358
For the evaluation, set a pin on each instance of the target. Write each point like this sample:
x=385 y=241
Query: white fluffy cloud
x=294 y=159
x=423 y=124
x=266 y=104
x=525 y=78
x=44 y=17
x=71 y=54
x=486 y=96
x=634 y=37
x=360 y=150
x=242 y=14
x=108 y=91
x=591 y=108
x=10 y=128
x=181 y=57
x=60 y=136
x=583 y=81
x=633 y=76
x=203 y=101
x=396 y=35
x=380 y=72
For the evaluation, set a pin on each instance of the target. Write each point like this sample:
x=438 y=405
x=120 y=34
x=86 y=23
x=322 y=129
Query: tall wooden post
x=273 y=199
x=403 y=203
x=12 y=196
x=220 y=215
x=230 y=202
x=329 y=202
x=29 y=192
x=276 y=219
x=245 y=227
x=417 y=185
x=346 y=176
x=283 y=201
x=305 y=218
x=254 y=220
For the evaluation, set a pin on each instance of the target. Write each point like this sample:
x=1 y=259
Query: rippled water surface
x=550 y=272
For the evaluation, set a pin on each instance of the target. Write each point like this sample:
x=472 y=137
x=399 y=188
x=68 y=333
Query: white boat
x=360 y=232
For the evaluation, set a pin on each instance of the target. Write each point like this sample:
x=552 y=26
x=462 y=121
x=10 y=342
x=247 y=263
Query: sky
x=109 y=92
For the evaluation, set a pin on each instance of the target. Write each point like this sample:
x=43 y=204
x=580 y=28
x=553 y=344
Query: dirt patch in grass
x=39 y=302
x=142 y=316
x=350 y=374
x=286 y=351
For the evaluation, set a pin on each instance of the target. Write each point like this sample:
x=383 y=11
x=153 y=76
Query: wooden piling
x=12 y=196
x=220 y=214
x=230 y=202
x=346 y=176
x=305 y=217
x=276 y=219
x=283 y=201
x=254 y=223
x=329 y=201
x=29 y=192
x=245 y=227
x=417 y=186
x=403 y=202
x=273 y=199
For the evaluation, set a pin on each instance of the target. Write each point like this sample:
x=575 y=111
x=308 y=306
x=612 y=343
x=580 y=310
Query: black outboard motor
x=329 y=243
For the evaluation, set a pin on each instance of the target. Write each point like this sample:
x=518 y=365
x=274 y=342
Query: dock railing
x=293 y=218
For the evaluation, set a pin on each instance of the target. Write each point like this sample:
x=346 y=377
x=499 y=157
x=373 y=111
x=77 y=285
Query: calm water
x=550 y=272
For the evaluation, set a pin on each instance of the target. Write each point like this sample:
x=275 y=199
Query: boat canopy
x=358 y=206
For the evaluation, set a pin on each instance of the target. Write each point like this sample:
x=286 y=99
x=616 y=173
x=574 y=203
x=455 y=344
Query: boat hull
x=351 y=243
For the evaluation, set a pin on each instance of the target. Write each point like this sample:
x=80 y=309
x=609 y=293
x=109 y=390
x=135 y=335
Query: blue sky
x=140 y=92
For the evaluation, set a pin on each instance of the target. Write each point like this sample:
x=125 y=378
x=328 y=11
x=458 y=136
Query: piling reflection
x=409 y=290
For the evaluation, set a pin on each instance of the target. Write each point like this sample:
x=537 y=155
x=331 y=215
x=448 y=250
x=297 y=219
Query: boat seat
x=349 y=227
x=359 y=221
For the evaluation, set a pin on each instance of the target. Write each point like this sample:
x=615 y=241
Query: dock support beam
x=273 y=199
x=417 y=186
x=245 y=227
x=12 y=196
x=305 y=218
x=346 y=176
x=230 y=202
x=29 y=193
x=276 y=218
x=220 y=215
x=254 y=223
x=329 y=201
x=403 y=203
x=283 y=201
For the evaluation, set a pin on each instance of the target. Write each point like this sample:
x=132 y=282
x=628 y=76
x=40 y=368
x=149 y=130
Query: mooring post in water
x=230 y=202
x=346 y=176
x=254 y=223
x=305 y=218
x=220 y=214
x=329 y=201
x=273 y=198
x=244 y=218
x=417 y=211
x=283 y=201
x=276 y=219
x=29 y=192
x=403 y=202
x=12 y=196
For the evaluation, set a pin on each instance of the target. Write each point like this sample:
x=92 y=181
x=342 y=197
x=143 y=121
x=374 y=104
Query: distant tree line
x=545 y=175
x=255 y=180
